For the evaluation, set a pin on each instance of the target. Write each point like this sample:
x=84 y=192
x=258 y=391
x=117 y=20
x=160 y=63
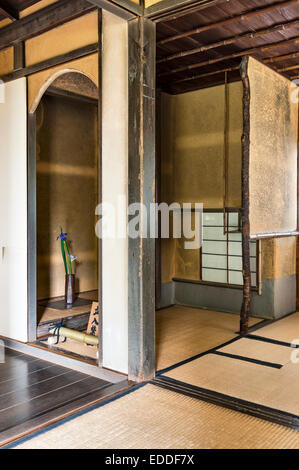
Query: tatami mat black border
x=274 y=365
x=272 y=341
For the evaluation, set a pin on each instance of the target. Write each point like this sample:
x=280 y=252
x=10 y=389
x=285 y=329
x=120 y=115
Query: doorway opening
x=199 y=158
x=67 y=193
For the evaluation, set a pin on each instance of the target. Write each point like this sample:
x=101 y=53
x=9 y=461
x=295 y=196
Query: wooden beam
x=43 y=20
x=244 y=315
x=8 y=11
x=243 y=53
x=243 y=17
x=208 y=74
x=126 y=10
x=46 y=64
x=281 y=58
x=229 y=41
x=285 y=69
x=168 y=10
x=232 y=69
x=135 y=8
x=141 y=171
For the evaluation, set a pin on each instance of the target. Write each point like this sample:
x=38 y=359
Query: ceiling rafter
x=237 y=67
x=227 y=21
x=207 y=74
x=236 y=55
x=290 y=67
x=229 y=41
x=281 y=58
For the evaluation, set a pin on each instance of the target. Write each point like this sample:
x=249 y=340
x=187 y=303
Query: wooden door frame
x=141 y=145
x=32 y=221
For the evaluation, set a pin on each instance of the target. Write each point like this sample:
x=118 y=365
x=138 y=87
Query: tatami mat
x=183 y=332
x=286 y=329
x=259 y=350
x=155 y=418
x=275 y=388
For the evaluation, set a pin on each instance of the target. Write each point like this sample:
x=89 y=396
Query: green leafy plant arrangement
x=66 y=255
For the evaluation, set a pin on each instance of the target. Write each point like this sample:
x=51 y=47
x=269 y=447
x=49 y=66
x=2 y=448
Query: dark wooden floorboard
x=34 y=393
x=30 y=387
x=23 y=381
x=27 y=393
x=52 y=416
x=14 y=357
x=19 y=366
x=42 y=404
x=13 y=353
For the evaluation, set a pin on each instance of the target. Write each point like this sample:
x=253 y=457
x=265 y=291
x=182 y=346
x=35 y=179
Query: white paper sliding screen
x=222 y=250
x=273 y=120
x=13 y=211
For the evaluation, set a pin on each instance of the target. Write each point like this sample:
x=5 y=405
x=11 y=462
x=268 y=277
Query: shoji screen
x=222 y=250
x=13 y=210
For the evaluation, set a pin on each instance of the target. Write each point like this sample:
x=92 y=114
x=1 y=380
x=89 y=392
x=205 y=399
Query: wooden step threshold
x=65 y=360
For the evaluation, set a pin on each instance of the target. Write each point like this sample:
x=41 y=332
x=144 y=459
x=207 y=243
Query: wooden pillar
x=158 y=283
x=31 y=226
x=245 y=200
x=141 y=169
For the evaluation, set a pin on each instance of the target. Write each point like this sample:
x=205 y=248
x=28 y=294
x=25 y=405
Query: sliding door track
x=258 y=411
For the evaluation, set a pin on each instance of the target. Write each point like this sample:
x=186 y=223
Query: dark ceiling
x=192 y=52
x=11 y=8
x=204 y=47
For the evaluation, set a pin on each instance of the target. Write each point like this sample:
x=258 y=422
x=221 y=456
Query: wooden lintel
x=43 y=20
x=46 y=64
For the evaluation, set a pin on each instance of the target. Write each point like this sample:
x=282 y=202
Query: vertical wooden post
x=100 y=188
x=158 y=275
x=245 y=200
x=19 y=56
x=141 y=167
x=31 y=224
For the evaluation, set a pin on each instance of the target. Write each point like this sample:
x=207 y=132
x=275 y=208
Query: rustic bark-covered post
x=245 y=200
x=141 y=34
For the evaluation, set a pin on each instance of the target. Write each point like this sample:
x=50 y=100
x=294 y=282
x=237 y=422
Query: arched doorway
x=64 y=186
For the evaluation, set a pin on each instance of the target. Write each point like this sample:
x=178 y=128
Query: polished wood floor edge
x=253 y=409
x=65 y=361
x=59 y=350
x=69 y=410
x=61 y=297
